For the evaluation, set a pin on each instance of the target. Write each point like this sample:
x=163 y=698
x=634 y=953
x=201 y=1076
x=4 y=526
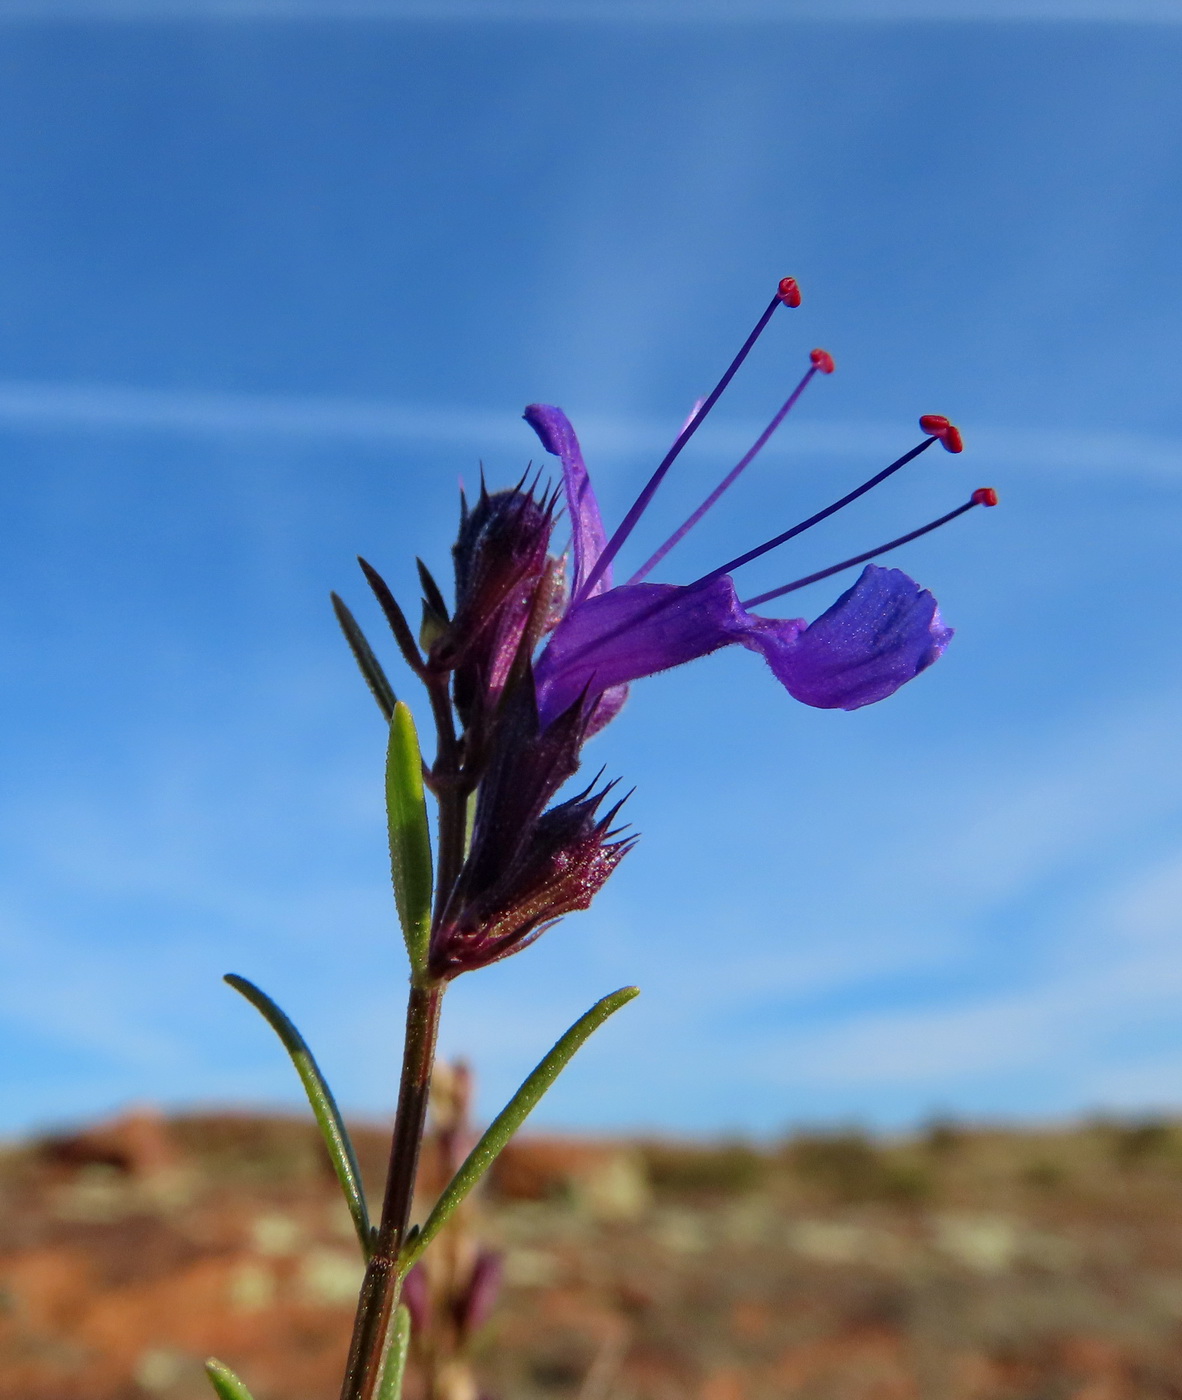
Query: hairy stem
x=382 y=1285
x=379 y=1291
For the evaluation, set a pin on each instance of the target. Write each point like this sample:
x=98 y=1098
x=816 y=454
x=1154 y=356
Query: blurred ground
x=959 y=1265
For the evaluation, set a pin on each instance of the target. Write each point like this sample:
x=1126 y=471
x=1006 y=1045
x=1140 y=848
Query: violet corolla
x=879 y=634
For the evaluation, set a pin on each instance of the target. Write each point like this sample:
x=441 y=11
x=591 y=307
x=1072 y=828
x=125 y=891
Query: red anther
x=934 y=424
x=822 y=360
x=789 y=291
x=984 y=496
x=951 y=440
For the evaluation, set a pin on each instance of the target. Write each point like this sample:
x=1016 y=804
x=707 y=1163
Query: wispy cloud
x=56 y=407
x=1051 y=809
x=96 y=406
x=1107 y=967
x=1111 y=985
x=681 y=12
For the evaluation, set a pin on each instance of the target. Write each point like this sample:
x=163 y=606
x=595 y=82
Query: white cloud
x=69 y=407
x=1064 y=1023
x=1063 y=805
x=1150 y=910
x=681 y=12
x=112 y=407
x=77 y=995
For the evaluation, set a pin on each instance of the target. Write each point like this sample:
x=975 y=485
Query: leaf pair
x=344 y=1159
x=340 y=1147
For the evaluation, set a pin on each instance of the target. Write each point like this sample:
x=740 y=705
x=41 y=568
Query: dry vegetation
x=959 y=1265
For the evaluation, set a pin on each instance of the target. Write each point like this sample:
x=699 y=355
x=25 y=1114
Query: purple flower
x=879 y=634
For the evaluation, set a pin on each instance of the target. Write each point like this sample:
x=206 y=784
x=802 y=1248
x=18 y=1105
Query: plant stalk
x=382 y=1284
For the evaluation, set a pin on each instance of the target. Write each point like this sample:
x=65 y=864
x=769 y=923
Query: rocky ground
x=960 y=1265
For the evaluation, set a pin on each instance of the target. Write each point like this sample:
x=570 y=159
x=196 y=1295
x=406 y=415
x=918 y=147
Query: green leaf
x=324 y=1106
x=371 y=669
x=410 y=839
x=224 y=1381
x=510 y=1119
x=390 y=1386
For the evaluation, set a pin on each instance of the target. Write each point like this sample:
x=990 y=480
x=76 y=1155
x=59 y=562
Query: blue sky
x=276 y=275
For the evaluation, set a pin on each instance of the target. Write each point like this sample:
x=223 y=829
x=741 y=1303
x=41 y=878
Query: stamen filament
x=731 y=477
x=820 y=515
x=638 y=507
x=861 y=558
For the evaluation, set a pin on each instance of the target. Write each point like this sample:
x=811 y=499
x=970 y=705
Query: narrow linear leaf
x=225 y=1382
x=511 y=1118
x=390 y=1386
x=324 y=1106
x=410 y=838
x=368 y=663
x=394 y=616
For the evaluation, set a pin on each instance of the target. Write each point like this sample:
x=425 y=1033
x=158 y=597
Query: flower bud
x=502 y=545
x=500 y=562
x=564 y=862
x=526 y=866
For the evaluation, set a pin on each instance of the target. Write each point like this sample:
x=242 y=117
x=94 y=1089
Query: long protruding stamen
x=822 y=363
x=983 y=496
x=787 y=294
x=820 y=515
